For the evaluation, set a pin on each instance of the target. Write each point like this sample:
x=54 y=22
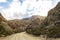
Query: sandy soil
x=23 y=36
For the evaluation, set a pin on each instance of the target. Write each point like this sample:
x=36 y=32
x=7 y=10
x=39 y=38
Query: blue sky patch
x=9 y=1
x=21 y=1
x=5 y=4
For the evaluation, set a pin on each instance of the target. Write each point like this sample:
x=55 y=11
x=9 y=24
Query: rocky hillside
x=17 y=25
x=5 y=29
x=20 y=25
x=53 y=20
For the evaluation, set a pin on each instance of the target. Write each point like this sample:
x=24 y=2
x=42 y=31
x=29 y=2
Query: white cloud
x=44 y=7
x=3 y=0
x=40 y=7
x=17 y=11
x=14 y=8
x=1 y=7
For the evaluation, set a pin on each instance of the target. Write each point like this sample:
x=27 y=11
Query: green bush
x=34 y=31
x=53 y=31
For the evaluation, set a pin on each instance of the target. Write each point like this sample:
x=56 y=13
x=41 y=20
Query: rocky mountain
x=50 y=26
x=53 y=22
x=21 y=24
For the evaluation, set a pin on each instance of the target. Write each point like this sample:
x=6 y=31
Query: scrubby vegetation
x=17 y=25
x=33 y=27
x=5 y=30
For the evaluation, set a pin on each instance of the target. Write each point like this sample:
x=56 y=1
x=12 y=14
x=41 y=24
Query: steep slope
x=55 y=9
x=52 y=22
x=54 y=14
x=4 y=27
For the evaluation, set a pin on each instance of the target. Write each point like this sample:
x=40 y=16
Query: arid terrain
x=21 y=36
x=25 y=36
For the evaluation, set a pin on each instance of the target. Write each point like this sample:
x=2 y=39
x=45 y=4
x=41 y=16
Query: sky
x=18 y=9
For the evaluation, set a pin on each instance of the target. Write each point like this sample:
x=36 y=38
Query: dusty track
x=23 y=36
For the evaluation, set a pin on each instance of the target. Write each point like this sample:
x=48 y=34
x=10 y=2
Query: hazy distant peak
x=37 y=16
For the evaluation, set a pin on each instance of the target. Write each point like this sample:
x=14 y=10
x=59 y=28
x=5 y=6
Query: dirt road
x=23 y=36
